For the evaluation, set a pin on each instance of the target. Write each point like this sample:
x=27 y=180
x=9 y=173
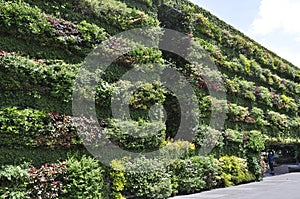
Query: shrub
x=85 y=179
x=207 y=138
x=137 y=135
x=21 y=127
x=14 y=181
x=37 y=156
x=258 y=114
x=73 y=36
x=177 y=149
x=147 y=178
x=19 y=17
x=47 y=181
x=37 y=77
x=254 y=165
x=255 y=145
x=32 y=128
x=237 y=113
x=117 y=178
x=234 y=171
x=233 y=143
x=256 y=142
x=195 y=174
x=281 y=121
x=62 y=132
x=147 y=96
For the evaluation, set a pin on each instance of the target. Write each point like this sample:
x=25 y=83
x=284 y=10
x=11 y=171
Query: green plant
x=117 y=178
x=33 y=128
x=62 y=132
x=195 y=174
x=208 y=138
x=233 y=143
x=14 y=181
x=85 y=179
x=128 y=18
x=37 y=77
x=21 y=19
x=278 y=120
x=147 y=96
x=147 y=178
x=258 y=115
x=90 y=33
x=256 y=142
x=237 y=113
x=38 y=156
x=177 y=149
x=137 y=136
x=234 y=171
x=22 y=127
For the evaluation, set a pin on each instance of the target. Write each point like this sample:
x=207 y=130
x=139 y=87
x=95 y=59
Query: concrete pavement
x=286 y=186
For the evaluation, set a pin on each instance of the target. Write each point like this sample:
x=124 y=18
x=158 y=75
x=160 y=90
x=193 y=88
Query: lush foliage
x=117 y=177
x=148 y=178
x=47 y=181
x=22 y=127
x=29 y=127
x=36 y=123
x=85 y=179
x=128 y=18
x=137 y=136
x=13 y=181
x=195 y=174
x=31 y=23
x=234 y=171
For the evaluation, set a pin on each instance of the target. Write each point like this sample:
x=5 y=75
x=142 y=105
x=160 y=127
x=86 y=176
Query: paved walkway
x=286 y=186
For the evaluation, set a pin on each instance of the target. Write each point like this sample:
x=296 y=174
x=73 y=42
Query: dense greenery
x=43 y=46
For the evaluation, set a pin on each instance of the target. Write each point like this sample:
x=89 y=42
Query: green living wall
x=43 y=45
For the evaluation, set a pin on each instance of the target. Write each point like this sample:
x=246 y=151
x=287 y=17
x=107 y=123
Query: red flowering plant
x=61 y=132
x=47 y=181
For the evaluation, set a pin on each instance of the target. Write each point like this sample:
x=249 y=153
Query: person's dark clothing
x=271 y=162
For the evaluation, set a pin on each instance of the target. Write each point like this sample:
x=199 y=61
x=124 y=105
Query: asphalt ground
x=285 y=186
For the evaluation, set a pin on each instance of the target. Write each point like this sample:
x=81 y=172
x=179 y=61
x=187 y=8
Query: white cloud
x=277 y=14
x=277 y=27
x=293 y=56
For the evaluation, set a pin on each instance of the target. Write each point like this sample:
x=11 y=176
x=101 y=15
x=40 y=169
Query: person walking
x=271 y=161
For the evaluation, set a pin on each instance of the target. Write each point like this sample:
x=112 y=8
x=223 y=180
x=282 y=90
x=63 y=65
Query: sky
x=275 y=24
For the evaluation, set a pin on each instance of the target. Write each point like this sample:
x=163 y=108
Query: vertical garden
x=43 y=48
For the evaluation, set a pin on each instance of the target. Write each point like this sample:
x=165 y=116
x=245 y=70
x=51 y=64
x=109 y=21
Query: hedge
x=34 y=128
x=38 y=156
x=195 y=174
x=139 y=178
